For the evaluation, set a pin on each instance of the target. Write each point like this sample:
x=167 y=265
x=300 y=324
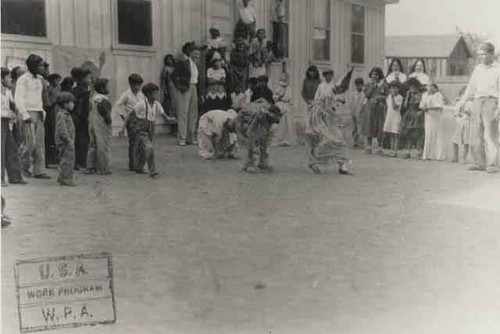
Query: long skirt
x=431 y=144
x=324 y=139
x=373 y=120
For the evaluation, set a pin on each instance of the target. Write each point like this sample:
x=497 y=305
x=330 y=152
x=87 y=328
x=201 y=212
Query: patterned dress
x=216 y=98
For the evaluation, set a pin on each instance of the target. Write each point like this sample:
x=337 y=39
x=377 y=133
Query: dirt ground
x=401 y=247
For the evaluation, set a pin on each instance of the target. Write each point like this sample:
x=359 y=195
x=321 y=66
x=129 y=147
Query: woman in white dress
x=432 y=104
x=418 y=71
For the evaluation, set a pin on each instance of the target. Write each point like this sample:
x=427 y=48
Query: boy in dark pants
x=83 y=79
x=10 y=151
x=125 y=104
x=142 y=121
x=65 y=139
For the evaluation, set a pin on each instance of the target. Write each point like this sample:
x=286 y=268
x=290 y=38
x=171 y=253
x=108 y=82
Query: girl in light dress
x=432 y=104
x=393 y=118
x=284 y=133
x=462 y=130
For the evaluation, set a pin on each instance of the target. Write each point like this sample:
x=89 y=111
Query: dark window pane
x=357 y=49
x=321 y=46
x=135 y=22
x=358 y=19
x=24 y=17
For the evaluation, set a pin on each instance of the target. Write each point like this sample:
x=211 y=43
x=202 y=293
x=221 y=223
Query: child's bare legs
x=455 y=152
x=465 y=153
x=368 y=148
x=394 y=144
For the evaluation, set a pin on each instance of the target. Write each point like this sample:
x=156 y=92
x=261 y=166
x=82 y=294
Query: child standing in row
x=355 y=102
x=462 y=130
x=65 y=138
x=99 y=130
x=393 y=118
x=432 y=104
x=284 y=133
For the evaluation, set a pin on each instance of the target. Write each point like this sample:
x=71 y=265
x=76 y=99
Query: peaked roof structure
x=437 y=46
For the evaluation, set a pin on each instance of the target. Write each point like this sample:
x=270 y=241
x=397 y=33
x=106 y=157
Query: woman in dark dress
x=239 y=63
x=374 y=110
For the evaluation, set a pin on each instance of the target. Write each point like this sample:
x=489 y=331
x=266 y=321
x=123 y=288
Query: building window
x=321 y=30
x=135 y=25
x=357 y=34
x=24 y=17
x=458 y=68
x=280 y=23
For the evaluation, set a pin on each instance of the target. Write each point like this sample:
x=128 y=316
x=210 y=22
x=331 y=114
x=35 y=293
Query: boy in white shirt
x=142 y=120
x=125 y=106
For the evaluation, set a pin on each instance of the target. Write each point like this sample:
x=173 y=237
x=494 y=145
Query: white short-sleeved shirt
x=145 y=110
x=435 y=100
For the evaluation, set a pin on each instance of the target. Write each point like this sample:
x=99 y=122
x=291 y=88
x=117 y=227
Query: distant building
x=448 y=58
x=136 y=35
x=444 y=55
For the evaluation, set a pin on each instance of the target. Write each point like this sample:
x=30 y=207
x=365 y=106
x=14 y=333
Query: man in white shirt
x=484 y=90
x=29 y=101
x=185 y=79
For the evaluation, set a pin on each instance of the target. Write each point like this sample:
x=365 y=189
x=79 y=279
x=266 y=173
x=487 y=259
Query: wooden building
x=448 y=58
x=334 y=34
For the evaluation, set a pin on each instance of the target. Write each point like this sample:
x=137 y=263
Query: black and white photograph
x=250 y=166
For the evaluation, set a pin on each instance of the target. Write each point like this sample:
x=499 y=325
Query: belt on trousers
x=486 y=98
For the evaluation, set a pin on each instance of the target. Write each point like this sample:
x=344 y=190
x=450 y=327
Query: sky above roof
x=435 y=17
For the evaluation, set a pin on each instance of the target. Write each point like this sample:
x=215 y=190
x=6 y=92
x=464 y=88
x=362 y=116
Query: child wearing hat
x=392 y=122
x=65 y=138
